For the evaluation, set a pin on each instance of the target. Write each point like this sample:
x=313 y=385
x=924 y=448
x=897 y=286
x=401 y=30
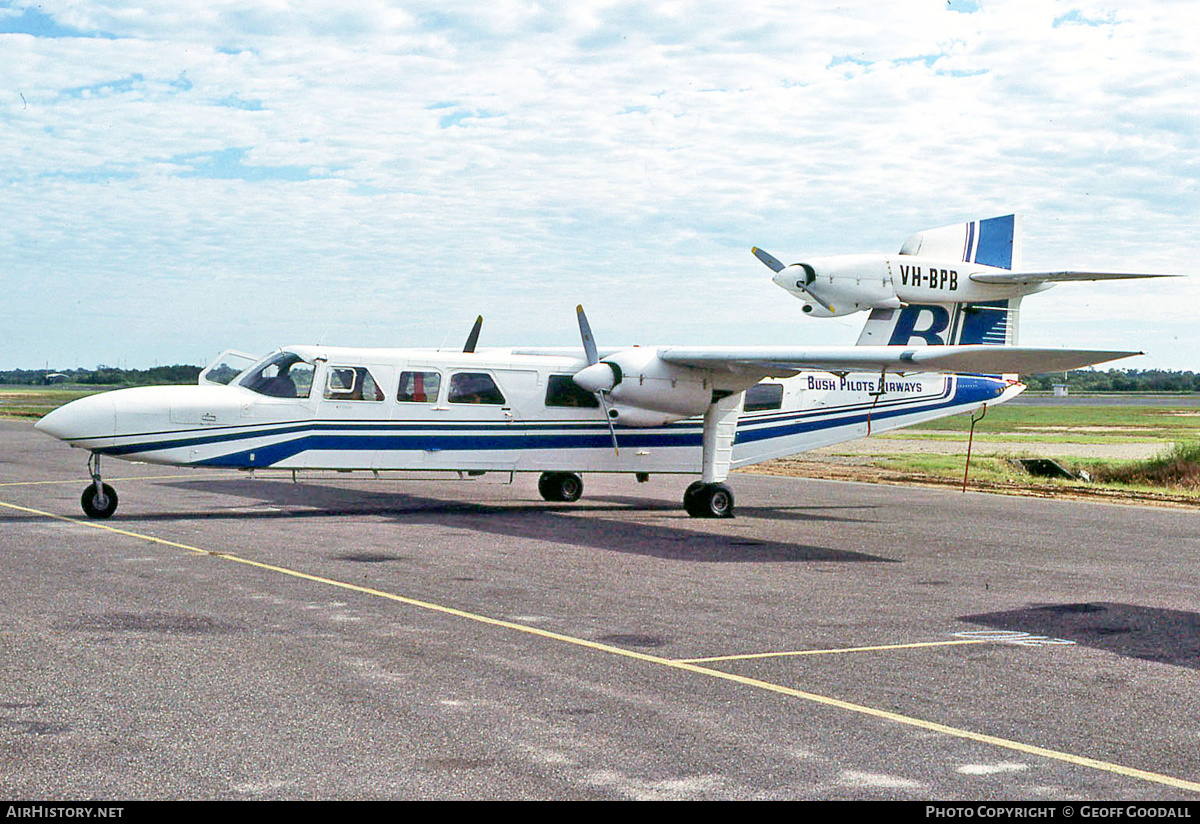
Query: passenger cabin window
x=351 y=383
x=763 y=396
x=562 y=391
x=419 y=387
x=285 y=375
x=474 y=387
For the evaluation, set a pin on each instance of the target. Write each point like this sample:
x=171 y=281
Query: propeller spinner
x=801 y=274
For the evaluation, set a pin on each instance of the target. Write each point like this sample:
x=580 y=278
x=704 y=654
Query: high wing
x=1026 y=278
x=788 y=360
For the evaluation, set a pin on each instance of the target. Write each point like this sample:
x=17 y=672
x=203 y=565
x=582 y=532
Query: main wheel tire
x=560 y=486
x=99 y=506
x=708 y=500
x=718 y=501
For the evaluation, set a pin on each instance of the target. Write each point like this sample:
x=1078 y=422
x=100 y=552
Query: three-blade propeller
x=804 y=284
x=599 y=378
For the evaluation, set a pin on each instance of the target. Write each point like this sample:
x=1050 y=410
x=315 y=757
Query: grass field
x=31 y=402
x=1078 y=436
x=1069 y=423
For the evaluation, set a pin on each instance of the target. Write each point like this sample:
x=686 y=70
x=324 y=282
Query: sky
x=184 y=177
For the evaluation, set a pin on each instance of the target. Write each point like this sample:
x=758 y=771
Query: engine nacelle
x=844 y=284
x=639 y=378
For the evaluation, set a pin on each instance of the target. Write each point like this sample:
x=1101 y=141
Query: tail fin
x=993 y=241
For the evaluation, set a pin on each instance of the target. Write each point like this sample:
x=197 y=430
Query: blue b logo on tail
x=925 y=322
x=967 y=323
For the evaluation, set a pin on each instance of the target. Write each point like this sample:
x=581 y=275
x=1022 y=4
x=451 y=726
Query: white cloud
x=396 y=168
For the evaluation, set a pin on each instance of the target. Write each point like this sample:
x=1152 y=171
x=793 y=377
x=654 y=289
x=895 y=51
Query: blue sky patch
x=457 y=117
x=1075 y=17
x=98 y=175
x=227 y=164
x=123 y=85
x=33 y=22
x=235 y=102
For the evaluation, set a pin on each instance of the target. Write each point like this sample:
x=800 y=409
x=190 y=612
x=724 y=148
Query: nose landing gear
x=99 y=500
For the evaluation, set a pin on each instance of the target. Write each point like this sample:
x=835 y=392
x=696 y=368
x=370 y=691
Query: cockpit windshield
x=282 y=375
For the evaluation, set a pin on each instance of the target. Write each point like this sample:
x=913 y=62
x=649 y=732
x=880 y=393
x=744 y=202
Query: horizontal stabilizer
x=978 y=359
x=1025 y=278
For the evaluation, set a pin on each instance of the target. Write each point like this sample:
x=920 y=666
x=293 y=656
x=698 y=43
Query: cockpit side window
x=351 y=383
x=284 y=375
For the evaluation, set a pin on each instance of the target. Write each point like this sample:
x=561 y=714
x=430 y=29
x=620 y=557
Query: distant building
x=1061 y=390
x=57 y=377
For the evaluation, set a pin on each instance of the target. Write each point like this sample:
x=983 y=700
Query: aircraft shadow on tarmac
x=1165 y=636
x=579 y=524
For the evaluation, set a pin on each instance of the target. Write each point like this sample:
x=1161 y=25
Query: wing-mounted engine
x=637 y=387
x=639 y=378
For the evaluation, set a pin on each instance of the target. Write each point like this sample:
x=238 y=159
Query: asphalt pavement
x=227 y=637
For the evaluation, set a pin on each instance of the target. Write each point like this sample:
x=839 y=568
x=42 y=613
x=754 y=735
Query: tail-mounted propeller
x=597 y=377
x=804 y=276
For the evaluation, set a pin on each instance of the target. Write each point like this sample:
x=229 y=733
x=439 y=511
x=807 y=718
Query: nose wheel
x=99 y=500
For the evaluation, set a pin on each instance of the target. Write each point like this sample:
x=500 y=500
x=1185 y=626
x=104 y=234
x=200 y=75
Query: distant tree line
x=102 y=376
x=1118 y=380
x=1080 y=380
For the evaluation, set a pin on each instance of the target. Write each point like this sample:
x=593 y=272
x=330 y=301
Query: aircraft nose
x=90 y=417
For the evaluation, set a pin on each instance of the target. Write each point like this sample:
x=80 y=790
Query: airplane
x=941 y=341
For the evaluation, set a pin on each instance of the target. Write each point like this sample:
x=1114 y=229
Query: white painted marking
x=1022 y=639
x=992 y=769
x=877 y=781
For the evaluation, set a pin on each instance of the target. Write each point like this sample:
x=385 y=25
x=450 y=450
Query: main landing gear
x=701 y=500
x=99 y=500
x=560 y=486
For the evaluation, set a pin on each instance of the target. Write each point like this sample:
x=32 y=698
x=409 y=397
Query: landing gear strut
x=703 y=500
x=560 y=486
x=99 y=500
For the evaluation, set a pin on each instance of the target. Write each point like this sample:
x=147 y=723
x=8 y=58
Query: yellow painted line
x=792 y=653
x=778 y=689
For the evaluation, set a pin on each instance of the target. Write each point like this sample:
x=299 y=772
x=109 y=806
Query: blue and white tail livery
x=958 y=284
x=939 y=341
x=993 y=242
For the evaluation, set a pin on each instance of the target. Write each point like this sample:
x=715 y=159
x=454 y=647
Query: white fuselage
x=366 y=409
